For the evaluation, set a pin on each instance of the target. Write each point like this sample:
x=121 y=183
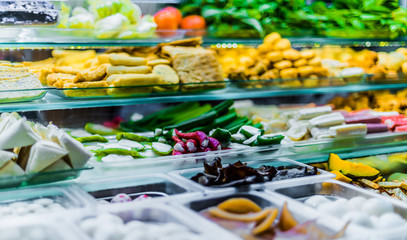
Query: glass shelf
x=306 y=41
x=52 y=102
x=43 y=37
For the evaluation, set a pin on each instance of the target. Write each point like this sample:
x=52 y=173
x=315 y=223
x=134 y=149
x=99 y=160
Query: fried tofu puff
x=305 y=71
x=300 y=62
x=282 y=44
x=291 y=54
x=308 y=54
x=289 y=73
x=272 y=38
x=265 y=48
x=283 y=64
x=274 y=56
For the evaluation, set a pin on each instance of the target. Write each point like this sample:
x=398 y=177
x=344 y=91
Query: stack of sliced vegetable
x=181 y=129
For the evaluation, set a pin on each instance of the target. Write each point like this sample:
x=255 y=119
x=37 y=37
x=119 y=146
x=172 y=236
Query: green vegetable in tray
x=268 y=140
x=118 y=151
x=167 y=116
x=161 y=148
x=133 y=137
x=222 y=135
x=94 y=138
x=100 y=129
x=203 y=119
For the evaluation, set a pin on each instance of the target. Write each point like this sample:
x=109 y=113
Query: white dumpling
x=108 y=231
x=356 y=203
x=89 y=225
x=333 y=208
x=316 y=200
x=359 y=218
x=390 y=220
x=377 y=207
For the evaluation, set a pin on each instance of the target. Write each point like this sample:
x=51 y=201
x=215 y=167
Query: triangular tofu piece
x=78 y=154
x=5 y=157
x=59 y=165
x=54 y=133
x=6 y=122
x=11 y=169
x=42 y=155
x=41 y=130
x=19 y=134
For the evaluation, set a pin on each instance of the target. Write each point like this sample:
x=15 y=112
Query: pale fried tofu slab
x=94 y=74
x=52 y=78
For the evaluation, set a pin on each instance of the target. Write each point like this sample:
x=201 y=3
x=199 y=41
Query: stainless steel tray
x=154 y=185
x=152 y=213
x=336 y=189
x=300 y=212
x=42 y=200
x=36 y=228
x=185 y=175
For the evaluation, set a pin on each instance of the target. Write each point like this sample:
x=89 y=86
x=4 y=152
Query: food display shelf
x=311 y=42
x=53 y=102
x=35 y=38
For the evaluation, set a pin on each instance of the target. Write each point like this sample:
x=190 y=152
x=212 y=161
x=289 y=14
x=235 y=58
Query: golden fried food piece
x=86 y=84
x=282 y=44
x=52 y=78
x=270 y=74
x=65 y=69
x=289 y=73
x=274 y=56
x=126 y=92
x=305 y=71
x=272 y=38
x=85 y=93
x=72 y=57
x=246 y=61
x=321 y=71
x=155 y=62
x=291 y=54
x=103 y=58
x=312 y=81
x=121 y=60
x=123 y=69
x=137 y=79
x=300 y=62
x=93 y=74
x=315 y=62
x=308 y=54
x=91 y=63
x=265 y=48
x=283 y=64
x=42 y=75
x=258 y=69
x=167 y=73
